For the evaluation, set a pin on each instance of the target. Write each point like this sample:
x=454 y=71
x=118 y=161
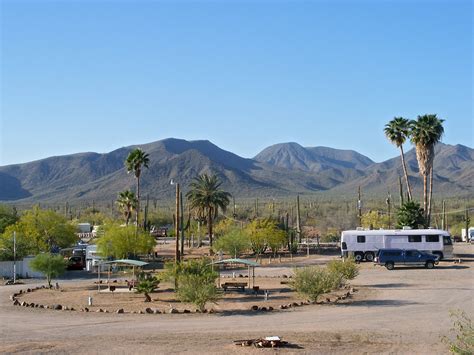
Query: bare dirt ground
x=402 y=311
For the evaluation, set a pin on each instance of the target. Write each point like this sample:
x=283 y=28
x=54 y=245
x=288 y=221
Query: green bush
x=463 y=341
x=347 y=269
x=201 y=267
x=313 y=281
x=197 y=289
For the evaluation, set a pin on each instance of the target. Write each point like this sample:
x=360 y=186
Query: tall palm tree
x=397 y=131
x=127 y=202
x=425 y=132
x=137 y=159
x=206 y=198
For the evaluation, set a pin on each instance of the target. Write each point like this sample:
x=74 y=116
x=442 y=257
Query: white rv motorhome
x=364 y=244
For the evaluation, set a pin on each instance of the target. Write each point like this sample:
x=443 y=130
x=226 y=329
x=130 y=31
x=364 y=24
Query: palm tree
x=127 y=202
x=397 y=131
x=206 y=198
x=425 y=132
x=137 y=159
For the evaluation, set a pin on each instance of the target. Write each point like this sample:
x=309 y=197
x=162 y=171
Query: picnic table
x=238 y=285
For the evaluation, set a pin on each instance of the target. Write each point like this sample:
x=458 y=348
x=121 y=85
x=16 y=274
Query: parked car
x=75 y=263
x=391 y=257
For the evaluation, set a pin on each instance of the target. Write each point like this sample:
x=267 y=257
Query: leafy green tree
x=425 y=132
x=136 y=160
x=127 y=202
x=124 y=242
x=206 y=198
x=410 y=214
x=264 y=233
x=374 y=220
x=94 y=217
x=41 y=231
x=50 y=265
x=397 y=132
x=8 y=216
x=313 y=281
x=223 y=227
x=235 y=242
x=147 y=286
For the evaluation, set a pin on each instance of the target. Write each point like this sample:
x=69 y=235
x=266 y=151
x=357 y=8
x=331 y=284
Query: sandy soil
x=403 y=311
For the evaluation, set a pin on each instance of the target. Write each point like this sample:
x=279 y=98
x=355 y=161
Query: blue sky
x=98 y=75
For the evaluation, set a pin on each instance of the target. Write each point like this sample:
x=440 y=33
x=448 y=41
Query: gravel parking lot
x=401 y=311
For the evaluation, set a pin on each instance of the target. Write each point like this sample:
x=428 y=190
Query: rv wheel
x=369 y=256
x=358 y=256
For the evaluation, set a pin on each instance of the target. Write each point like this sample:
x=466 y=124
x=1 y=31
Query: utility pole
x=182 y=225
x=359 y=207
x=14 y=257
x=443 y=219
x=467 y=220
x=389 y=197
x=233 y=203
x=177 y=256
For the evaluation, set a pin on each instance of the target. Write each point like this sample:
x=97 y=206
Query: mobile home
x=364 y=244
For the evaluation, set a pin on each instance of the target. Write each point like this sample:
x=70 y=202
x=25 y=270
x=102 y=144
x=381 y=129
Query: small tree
x=197 y=289
x=313 y=281
x=234 y=243
x=410 y=214
x=147 y=286
x=50 y=265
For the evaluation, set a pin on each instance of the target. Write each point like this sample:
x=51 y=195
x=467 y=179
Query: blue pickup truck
x=411 y=257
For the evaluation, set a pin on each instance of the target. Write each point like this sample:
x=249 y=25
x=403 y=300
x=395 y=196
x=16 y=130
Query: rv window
x=432 y=238
x=414 y=238
x=361 y=239
x=447 y=241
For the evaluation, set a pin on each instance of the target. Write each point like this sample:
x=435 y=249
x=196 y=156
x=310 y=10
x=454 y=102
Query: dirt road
x=403 y=311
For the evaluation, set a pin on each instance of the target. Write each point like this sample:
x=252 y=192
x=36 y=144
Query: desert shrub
x=313 y=281
x=347 y=269
x=462 y=340
x=201 y=267
x=197 y=289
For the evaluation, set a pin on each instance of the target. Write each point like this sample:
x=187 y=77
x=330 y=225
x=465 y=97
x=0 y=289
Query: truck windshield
x=447 y=240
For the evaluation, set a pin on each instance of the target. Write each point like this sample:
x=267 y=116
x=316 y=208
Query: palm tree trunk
x=425 y=195
x=147 y=297
x=402 y=155
x=138 y=200
x=428 y=218
x=209 y=226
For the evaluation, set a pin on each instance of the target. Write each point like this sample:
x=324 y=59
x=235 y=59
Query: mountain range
x=279 y=170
